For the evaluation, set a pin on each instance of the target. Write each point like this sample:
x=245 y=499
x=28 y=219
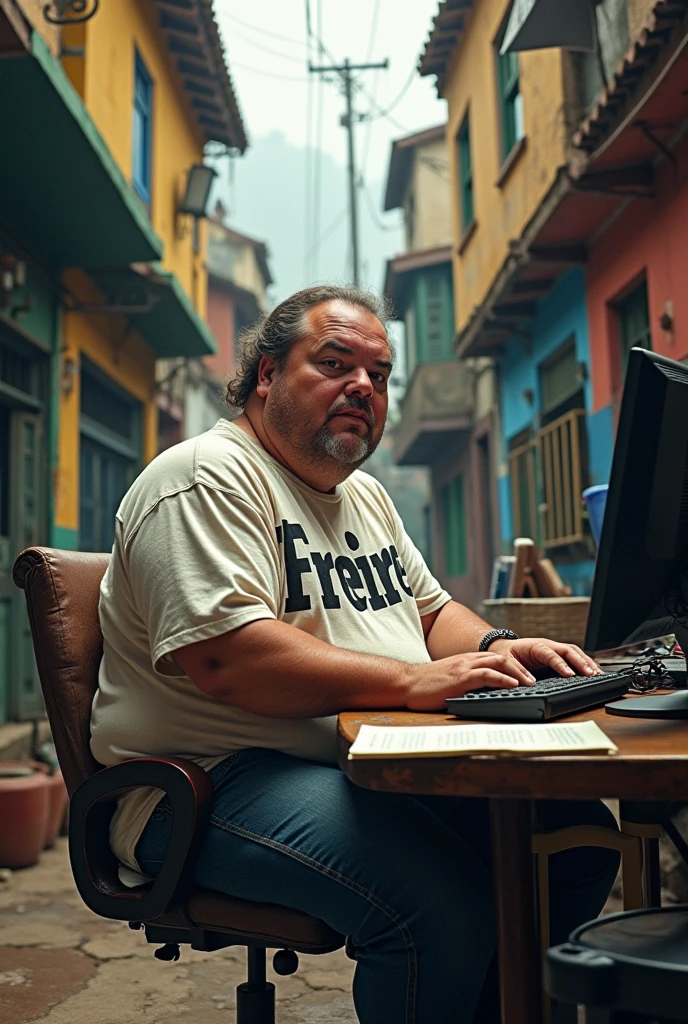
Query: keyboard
x=546 y=698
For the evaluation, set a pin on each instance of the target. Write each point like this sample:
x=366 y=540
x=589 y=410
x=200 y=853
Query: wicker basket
x=557 y=618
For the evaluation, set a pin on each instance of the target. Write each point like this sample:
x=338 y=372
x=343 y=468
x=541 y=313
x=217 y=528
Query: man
x=259 y=585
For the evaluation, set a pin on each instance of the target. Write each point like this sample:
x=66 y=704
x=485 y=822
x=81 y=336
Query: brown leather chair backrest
x=62 y=589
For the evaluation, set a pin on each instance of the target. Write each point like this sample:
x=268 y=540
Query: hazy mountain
x=268 y=198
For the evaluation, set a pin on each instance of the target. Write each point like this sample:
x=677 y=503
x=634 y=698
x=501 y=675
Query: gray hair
x=275 y=333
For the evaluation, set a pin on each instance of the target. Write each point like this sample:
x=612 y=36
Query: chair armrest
x=94 y=865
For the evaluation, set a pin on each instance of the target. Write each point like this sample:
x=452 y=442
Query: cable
x=268 y=49
x=329 y=231
x=373 y=30
x=263 y=31
x=407 y=84
x=370 y=202
x=268 y=74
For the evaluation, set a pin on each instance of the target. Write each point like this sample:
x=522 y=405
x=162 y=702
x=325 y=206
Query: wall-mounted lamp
x=529 y=396
x=199 y=181
x=666 y=320
x=69 y=12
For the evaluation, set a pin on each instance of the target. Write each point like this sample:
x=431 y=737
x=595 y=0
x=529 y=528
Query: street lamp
x=69 y=12
x=199 y=181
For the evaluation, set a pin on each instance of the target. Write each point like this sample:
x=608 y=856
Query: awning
x=157 y=307
x=398 y=269
x=61 y=193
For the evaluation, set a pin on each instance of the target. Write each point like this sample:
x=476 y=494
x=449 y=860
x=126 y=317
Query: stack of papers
x=503 y=740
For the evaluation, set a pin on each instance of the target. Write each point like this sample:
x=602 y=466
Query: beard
x=285 y=415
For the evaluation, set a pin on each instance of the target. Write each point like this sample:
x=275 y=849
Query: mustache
x=360 y=404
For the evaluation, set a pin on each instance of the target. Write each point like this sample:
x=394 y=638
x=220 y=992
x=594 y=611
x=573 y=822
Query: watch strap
x=496 y=634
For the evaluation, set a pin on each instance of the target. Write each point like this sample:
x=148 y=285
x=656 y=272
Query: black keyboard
x=546 y=698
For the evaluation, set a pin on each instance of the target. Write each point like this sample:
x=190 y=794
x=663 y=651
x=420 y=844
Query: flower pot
x=24 y=803
x=57 y=804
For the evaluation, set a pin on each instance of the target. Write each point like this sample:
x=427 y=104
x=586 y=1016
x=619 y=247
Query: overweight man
x=260 y=583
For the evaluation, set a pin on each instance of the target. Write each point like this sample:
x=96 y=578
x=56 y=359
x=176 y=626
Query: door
x=26 y=527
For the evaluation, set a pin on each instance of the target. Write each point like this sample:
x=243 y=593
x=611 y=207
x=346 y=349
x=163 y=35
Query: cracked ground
x=61 y=964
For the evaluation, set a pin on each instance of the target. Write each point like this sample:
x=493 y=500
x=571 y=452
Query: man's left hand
x=538 y=654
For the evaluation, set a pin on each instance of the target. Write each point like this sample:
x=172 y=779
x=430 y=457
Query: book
x=498 y=740
x=501 y=576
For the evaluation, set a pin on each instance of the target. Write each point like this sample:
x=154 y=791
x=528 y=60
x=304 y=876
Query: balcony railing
x=548 y=477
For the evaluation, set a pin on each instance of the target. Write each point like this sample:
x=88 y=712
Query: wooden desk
x=652 y=764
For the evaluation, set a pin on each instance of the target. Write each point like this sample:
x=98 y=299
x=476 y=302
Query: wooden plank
x=566 y=467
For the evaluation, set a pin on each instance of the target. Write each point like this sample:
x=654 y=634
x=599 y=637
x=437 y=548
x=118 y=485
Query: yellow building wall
x=501 y=211
x=105 y=80
x=129 y=362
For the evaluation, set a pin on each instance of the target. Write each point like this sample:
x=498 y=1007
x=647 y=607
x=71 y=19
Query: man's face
x=328 y=405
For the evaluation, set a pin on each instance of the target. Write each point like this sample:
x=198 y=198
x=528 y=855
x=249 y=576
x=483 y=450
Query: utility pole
x=347 y=121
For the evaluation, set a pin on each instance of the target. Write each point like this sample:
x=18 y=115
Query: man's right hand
x=430 y=684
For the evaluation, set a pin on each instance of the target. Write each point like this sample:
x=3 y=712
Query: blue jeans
x=407 y=879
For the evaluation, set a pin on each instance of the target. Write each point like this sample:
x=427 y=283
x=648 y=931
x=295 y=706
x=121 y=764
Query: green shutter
x=434 y=315
x=454 y=520
x=466 y=175
x=510 y=101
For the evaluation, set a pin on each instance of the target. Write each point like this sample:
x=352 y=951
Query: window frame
x=508 y=96
x=453 y=503
x=142 y=107
x=465 y=174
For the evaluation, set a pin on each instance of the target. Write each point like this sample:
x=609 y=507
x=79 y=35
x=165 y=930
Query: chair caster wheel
x=170 y=951
x=285 y=961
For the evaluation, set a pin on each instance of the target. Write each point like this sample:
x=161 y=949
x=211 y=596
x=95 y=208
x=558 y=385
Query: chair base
x=255 y=1005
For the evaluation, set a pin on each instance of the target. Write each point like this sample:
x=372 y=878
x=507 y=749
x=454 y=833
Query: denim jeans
x=407 y=879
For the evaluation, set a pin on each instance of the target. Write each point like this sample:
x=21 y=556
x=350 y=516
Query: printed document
x=502 y=740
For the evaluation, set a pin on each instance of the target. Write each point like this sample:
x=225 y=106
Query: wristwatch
x=496 y=634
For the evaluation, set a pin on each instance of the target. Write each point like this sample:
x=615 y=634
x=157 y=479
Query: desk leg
x=517 y=934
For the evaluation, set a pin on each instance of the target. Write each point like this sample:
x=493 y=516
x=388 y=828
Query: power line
x=268 y=49
x=407 y=84
x=267 y=74
x=345 y=72
x=374 y=216
x=373 y=30
x=263 y=31
x=329 y=230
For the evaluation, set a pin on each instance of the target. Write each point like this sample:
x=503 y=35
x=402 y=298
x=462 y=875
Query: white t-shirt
x=215 y=534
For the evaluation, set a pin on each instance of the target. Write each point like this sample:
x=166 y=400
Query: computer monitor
x=640 y=591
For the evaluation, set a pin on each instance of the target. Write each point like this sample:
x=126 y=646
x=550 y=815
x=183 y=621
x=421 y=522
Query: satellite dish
x=540 y=24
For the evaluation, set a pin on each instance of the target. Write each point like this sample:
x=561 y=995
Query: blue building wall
x=562 y=314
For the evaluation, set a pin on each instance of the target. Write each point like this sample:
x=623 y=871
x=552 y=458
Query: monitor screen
x=640 y=590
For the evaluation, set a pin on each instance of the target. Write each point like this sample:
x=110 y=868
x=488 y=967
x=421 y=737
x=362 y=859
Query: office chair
x=62 y=590
x=630 y=967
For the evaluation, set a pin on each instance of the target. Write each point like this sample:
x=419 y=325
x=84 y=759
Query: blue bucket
x=595 y=500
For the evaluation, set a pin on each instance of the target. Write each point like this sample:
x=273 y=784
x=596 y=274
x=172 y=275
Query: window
x=634 y=323
x=560 y=383
x=109 y=455
x=143 y=129
x=510 y=100
x=465 y=175
x=434 y=319
x=454 y=520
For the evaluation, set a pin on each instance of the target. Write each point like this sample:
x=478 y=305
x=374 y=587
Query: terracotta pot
x=24 y=803
x=57 y=804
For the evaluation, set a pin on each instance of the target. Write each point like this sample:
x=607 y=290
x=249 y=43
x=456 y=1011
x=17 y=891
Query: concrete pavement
x=63 y=965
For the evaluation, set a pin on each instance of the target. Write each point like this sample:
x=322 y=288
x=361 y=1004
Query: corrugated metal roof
x=646 y=51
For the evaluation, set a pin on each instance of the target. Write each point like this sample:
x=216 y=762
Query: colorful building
x=446 y=416
x=100 y=274
x=522 y=228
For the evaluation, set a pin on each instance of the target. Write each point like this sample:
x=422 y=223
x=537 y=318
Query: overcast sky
x=269 y=38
